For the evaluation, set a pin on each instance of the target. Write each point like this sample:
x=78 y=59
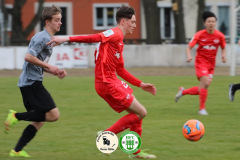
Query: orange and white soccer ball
x=193 y=130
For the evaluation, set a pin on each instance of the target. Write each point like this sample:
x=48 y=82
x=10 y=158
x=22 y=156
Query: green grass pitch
x=83 y=113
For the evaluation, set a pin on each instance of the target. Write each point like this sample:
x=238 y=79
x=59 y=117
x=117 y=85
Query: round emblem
x=107 y=142
x=130 y=142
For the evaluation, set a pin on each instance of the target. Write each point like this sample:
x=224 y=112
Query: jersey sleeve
x=222 y=42
x=194 y=40
x=37 y=44
x=122 y=72
x=86 y=39
x=110 y=36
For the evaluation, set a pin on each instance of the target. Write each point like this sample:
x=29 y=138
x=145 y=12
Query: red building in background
x=81 y=16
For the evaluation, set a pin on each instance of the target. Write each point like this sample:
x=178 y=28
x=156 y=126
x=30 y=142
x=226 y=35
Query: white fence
x=82 y=56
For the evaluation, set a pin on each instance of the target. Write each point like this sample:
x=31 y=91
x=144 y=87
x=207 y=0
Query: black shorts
x=36 y=97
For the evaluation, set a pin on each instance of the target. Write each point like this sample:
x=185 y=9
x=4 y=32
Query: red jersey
x=207 y=46
x=108 y=56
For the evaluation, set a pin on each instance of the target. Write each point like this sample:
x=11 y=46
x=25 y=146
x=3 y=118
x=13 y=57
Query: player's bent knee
x=53 y=115
x=143 y=114
x=55 y=118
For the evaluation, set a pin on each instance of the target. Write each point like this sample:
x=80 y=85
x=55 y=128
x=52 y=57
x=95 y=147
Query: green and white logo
x=130 y=142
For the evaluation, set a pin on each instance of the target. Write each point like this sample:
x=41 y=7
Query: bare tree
x=152 y=21
x=19 y=35
x=179 y=21
x=201 y=9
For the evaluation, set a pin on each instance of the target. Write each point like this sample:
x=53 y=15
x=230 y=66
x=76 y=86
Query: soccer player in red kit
x=109 y=61
x=208 y=41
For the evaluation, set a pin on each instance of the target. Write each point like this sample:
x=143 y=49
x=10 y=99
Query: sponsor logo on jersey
x=216 y=41
x=210 y=47
x=204 y=40
x=108 y=33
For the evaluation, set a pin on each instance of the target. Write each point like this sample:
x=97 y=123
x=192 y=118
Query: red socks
x=137 y=127
x=127 y=121
x=203 y=97
x=191 y=91
x=203 y=93
x=131 y=121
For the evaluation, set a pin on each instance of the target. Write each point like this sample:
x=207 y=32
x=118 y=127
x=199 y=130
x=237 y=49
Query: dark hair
x=124 y=12
x=48 y=12
x=208 y=14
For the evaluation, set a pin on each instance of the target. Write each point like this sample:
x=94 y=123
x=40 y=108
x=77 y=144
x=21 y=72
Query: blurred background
x=164 y=27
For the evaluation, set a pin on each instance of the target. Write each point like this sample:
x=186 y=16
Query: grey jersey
x=38 y=48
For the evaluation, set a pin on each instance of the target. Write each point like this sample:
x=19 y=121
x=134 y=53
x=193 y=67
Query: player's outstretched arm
x=80 y=39
x=57 y=41
x=149 y=88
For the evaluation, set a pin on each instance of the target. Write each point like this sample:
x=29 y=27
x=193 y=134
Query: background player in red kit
x=109 y=61
x=208 y=41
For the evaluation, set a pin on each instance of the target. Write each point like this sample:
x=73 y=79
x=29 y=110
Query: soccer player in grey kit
x=37 y=100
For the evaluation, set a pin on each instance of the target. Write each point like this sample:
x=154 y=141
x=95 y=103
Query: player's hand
x=224 y=59
x=189 y=59
x=61 y=73
x=52 y=69
x=149 y=88
x=57 y=41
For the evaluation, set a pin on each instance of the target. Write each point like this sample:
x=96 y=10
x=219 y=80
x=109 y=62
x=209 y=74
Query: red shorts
x=204 y=70
x=118 y=95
